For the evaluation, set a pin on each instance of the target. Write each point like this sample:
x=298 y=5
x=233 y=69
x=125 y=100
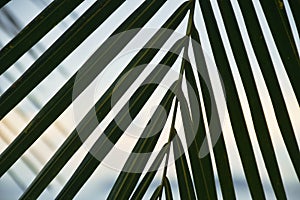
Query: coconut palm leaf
x=41 y=25
x=143 y=186
x=185 y=183
x=168 y=190
x=63 y=92
x=121 y=188
x=271 y=80
x=275 y=12
x=220 y=150
x=239 y=126
x=260 y=124
x=3 y=2
x=191 y=101
x=295 y=5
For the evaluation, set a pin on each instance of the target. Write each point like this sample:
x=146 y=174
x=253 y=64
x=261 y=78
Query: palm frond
x=240 y=49
x=34 y=31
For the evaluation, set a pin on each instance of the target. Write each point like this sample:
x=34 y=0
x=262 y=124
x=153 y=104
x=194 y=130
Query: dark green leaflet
x=156 y=193
x=295 y=8
x=185 y=183
x=127 y=181
x=271 y=80
x=235 y=110
x=61 y=48
x=57 y=105
x=168 y=190
x=282 y=34
x=73 y=142
x=219 y=149
x=113 y=132
x=34 y=31
x=149 y=176
x=257 y=112
x=3 y=3
x=201 y=167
